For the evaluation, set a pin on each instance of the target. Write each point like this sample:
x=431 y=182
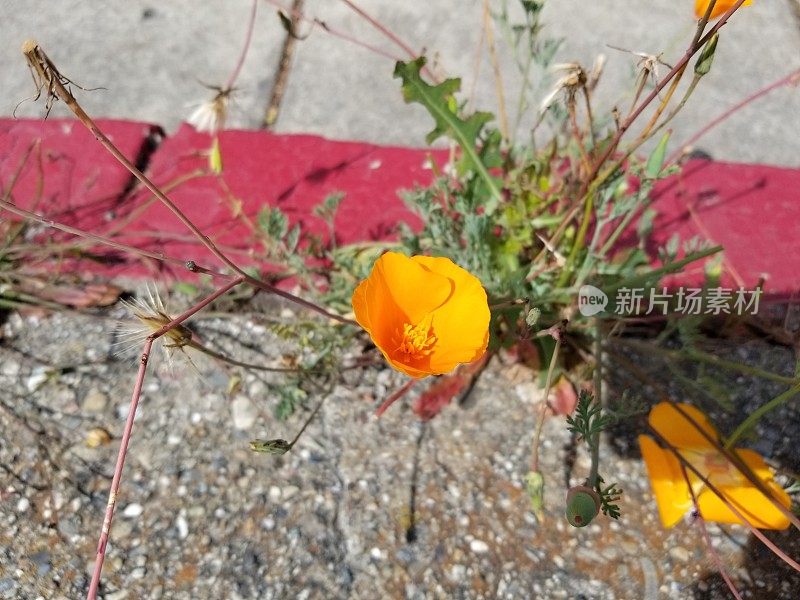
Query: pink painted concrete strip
x=752 y=210
x=63 y=172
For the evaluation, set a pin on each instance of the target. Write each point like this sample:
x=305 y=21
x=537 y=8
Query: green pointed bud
x=215 y=157
x=706 y=58
x=583 y=504
x=270 y=446
x=534 y=485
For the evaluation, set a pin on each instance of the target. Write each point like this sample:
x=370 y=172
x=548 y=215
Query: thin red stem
x=395 y=397
x=36 y=57
x=315 y=22
x=248 y=38
x=707 y=539
x=754 y=530
x=389 y=34
x=123 y=451
x=126 y=434
x=790 y=79
x=107 y=241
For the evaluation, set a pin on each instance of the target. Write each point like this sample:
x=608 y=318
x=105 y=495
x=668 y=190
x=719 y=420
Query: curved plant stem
x=308 y=420
x=395 y=396
x=594 y=443
x=315 y=22
x=707 y=539
x=238 y=363
x=160 y=256
x=390 y=35
x=756 y=415
x=557 y=332
x=123 y=451
x=245 y=48
x=792 y=78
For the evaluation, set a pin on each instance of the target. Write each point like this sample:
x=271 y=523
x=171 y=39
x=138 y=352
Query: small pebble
x=243 y=412
x=132 y=511
x=183 y=527
x=478 y=546
x=94 y=402
x=679 y=553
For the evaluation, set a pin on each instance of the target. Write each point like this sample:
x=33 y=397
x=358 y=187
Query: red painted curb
x=752 y=210
x=292 y=172
x=62 y=171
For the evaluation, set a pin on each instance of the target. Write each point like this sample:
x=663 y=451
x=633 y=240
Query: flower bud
x=583 y=504
x=706 y=58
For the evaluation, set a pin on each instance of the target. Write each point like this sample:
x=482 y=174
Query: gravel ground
x=361 y=508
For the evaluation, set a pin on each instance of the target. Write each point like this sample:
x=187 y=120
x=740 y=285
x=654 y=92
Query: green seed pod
x=706 y=58
x=583 y=504
x=270 y=446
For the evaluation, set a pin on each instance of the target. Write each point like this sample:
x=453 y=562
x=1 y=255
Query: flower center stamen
x=714 y=466
x=418 y=340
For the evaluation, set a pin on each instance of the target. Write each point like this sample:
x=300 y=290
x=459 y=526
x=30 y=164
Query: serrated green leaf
x=273 y=222
x=439 y=102
x=328 y=207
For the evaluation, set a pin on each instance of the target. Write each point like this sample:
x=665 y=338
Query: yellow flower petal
x=377 y=312
x=677 y=429
x=722 y=6
x=462 y=324
x=426 y=315
x=416 y=290
x=667 y=481
x=759 y=511
x=669 y=484
x=753 y=460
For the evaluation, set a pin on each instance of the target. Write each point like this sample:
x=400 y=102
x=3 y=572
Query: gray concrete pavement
x=152 y=56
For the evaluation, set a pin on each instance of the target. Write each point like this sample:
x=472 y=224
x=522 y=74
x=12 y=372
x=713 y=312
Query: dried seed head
x=151 y=315
x=210 y=116
x=573 y=78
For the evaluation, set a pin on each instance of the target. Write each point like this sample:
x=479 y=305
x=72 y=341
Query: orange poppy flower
x=669 y=485
x=722 y=6
x=427 y=315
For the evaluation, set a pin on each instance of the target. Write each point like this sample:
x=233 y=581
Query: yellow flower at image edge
x=722 y=6
x=671 y=490
x=426 y=314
